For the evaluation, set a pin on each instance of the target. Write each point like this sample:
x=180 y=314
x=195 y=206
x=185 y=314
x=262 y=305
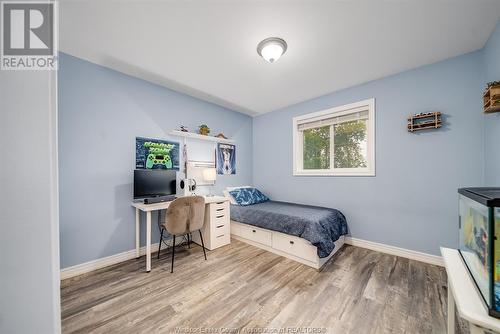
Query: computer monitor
x=150 y=183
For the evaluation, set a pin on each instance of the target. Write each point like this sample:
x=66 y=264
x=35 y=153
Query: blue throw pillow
x=248 y=196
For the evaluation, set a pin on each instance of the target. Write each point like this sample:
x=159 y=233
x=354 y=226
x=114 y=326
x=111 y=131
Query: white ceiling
x=207 y=48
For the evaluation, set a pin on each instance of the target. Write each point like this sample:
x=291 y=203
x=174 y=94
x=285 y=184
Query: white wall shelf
x=197 y=136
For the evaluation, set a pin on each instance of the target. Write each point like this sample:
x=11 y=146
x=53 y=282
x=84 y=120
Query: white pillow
x=228 y=195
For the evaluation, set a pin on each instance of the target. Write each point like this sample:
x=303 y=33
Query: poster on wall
x=156 y=154
x=226 y=159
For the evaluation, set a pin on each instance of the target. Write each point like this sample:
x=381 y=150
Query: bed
x=307 y=234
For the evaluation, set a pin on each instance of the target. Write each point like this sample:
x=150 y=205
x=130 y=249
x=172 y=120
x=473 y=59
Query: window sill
x=327 y=173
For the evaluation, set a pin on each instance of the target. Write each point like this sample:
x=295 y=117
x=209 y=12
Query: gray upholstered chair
x=184 y=216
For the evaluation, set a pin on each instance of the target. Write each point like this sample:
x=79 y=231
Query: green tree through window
x=350 y=144
x=317 y=148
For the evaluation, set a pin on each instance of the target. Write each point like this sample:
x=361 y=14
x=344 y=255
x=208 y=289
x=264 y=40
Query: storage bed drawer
x=292 y=247
x=295 y=246
x=252 y=233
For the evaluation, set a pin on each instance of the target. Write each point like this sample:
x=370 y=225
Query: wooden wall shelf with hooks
x=424 y=121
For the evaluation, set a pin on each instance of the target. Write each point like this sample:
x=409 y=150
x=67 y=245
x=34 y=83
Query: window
x=337 y=141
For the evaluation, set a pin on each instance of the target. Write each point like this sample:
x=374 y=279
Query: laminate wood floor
x=243 y=289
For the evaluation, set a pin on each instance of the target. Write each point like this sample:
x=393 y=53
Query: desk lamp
x=210 y=175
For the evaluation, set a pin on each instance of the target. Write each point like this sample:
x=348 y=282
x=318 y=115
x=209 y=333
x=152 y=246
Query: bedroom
x=319 y=146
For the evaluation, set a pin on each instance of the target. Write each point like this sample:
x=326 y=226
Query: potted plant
x=204 y=129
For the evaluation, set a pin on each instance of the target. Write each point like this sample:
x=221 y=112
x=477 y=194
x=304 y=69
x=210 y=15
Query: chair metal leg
x=159 y=244
x=189 y=240
x=173 y=253
x=203 y=245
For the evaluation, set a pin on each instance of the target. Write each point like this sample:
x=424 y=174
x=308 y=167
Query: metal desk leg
x=148 y=241
x=137 y=236
x=451 y=311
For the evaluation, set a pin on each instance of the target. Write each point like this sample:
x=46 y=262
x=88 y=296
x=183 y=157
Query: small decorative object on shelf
x=204 y=129
x=198 y=136
x=184 y=129
x=491 y=97
x=424 y=121
x=221 y=135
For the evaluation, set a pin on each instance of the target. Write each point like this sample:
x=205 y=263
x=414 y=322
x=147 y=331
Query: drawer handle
x=219 y=236
x=219 y=226
x=254 y=231
x=219 y=216
x=220 y=202
x=291 y=242
x=221 y=209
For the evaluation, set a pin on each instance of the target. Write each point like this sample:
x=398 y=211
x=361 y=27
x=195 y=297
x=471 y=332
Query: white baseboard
x=86 y=267
x=402 y=252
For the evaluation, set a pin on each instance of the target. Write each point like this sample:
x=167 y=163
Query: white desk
x=148 y=208
x=463 y=293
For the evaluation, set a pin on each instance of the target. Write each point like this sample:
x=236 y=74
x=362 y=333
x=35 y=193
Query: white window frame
x=298 y=141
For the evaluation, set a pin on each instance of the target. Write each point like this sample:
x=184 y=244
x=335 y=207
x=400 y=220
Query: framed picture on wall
x=156 y=154
x=226 y=159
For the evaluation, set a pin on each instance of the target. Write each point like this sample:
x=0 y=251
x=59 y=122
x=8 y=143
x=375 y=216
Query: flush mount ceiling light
x=271 y=49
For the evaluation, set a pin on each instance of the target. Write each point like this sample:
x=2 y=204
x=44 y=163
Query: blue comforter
x=321 y=226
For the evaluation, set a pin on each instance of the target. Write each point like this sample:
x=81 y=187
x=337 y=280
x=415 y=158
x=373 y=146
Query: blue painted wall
x=101 y=111
x=412 y=201
x=492 y=121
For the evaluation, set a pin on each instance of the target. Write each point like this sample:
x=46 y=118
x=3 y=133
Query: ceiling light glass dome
x=271 y=49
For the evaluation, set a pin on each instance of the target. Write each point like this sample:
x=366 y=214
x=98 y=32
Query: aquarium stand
x=463 y=294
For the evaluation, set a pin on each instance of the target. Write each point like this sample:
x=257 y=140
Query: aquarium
x=479 y=224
